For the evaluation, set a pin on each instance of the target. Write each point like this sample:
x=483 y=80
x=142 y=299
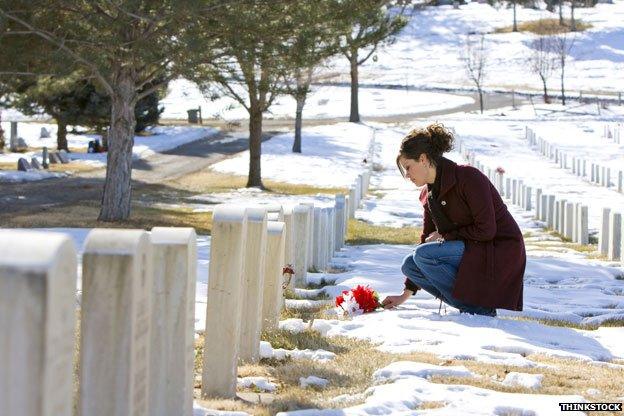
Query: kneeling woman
x=472 y=253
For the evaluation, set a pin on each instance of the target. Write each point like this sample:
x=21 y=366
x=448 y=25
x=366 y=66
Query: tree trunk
x=572 y=20
x=560 y=12
x=515 y=21
x=255 y=148
x=481 y=100
x=118 y=186
x=546 y=99
x=354 y=116
x=61 y=135
x=298 y=123
x=562 y=89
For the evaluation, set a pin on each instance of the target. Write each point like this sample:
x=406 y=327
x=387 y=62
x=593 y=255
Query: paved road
x=183 y=160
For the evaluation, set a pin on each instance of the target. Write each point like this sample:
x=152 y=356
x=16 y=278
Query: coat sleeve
x=428 y=225
x=475 y=190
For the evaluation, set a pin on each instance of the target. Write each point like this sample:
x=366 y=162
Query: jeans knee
x=422 y=253
x=408 y=265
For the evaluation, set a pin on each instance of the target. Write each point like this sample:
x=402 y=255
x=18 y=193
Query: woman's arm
x=475 y=190
x=428 y=225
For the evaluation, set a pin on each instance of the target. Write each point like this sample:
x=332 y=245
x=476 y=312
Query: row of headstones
x=571 y=220
x=599 y=175
x=136 y=322
x=54 y=158
x=137 y=309
x=613 y=132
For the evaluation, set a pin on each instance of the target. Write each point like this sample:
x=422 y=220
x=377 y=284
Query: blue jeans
x=433 y=267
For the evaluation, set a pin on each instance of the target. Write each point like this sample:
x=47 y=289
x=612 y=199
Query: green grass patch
x=360 y=233
x=546 y=27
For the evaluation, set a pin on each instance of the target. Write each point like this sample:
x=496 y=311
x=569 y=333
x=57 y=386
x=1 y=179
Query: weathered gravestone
x=172 y=351
x=21 y=145
x=62 y=154
x=44 y=158
x=223 y=308
x=54 y=158
x=115 y=323
x=34 y=163
x=37 y=322
x=253 y=283
x=23 y=165
x=44 y=133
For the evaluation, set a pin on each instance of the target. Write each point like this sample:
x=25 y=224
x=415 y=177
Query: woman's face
x=415 y=170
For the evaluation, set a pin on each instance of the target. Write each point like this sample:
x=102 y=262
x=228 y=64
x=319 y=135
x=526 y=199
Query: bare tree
x=475 y=57
x=561 y=46
x=542 y=60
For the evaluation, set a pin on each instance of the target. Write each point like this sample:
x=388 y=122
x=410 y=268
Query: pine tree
x=124 y=46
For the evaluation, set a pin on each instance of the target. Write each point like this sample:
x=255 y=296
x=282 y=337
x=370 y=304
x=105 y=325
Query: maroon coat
x=491 y=271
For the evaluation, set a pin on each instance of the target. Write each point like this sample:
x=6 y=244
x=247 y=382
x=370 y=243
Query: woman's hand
x=434 y=236
x=392 y=301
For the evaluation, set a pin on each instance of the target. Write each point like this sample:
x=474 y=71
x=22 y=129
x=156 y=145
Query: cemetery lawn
x=362 y=233
x=84 y=215
x=209 y=181
x=351 y=373
x=546 y=26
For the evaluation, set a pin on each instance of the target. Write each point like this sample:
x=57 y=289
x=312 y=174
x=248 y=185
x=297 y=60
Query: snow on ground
x=330 y=155
x=259 y=382
x=530 y=381
x=162 y=138
x=17 y=176
x=428 y=51
x=323 y=102
x=267 y=351
x=313 y=381
x=411 y=391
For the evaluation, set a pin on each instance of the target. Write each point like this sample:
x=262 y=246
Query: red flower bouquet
x=500 y=170
x=361 y=299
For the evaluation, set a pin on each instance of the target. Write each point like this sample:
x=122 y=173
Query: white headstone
x=253 y=283
x=115 y=323
x=273 y=298
x=223 y=306
x=615 y=236
x=603 y=243
x=300 y=224
x=172 y=352
x=568 y=220
x=37 y=322
x=583 y=225
x=289 y=237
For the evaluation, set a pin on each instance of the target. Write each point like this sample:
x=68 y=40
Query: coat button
x=443 y=202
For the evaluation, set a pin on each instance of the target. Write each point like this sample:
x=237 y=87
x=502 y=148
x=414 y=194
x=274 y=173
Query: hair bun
x=441 y=138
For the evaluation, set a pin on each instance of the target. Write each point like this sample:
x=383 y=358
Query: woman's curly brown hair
x=433 y=140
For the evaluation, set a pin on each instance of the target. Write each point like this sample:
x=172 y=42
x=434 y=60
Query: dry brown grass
x=85 y=216
x=360 y=233
x=546 y=27
x=351 y=372
x=208 y=181
x=72 y=167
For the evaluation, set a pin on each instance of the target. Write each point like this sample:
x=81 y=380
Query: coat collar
x=448 y=179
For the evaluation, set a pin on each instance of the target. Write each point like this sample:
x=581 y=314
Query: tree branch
x=52 y=39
